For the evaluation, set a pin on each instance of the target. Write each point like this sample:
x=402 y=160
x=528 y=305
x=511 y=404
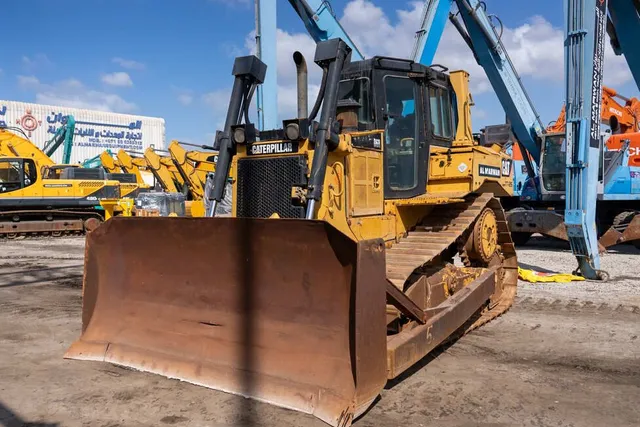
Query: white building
x=95 y=132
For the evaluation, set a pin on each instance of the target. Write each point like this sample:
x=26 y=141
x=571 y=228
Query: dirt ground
x=564 y=355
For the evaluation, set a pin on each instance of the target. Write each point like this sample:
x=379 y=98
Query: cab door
x=11 y=180
x=405 y=147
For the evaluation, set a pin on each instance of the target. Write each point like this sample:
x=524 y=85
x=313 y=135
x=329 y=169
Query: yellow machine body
x=315 y=314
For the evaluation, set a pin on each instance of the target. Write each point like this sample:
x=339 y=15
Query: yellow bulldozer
x=358 y=243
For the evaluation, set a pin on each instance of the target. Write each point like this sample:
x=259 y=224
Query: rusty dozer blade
x=290 y=312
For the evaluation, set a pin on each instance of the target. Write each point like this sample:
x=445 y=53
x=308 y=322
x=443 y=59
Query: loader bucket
x=290 y=312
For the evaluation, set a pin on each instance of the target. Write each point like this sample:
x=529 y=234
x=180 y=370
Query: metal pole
x=266 y=51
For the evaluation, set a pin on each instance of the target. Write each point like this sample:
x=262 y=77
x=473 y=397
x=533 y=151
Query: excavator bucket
x=630 y=233
x=290 y=312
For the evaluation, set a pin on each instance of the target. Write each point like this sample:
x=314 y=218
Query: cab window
x=357 y=92
x=30 y=174
x=10 y=175
x=401 y=149
x=440 y=105
x=554 y=163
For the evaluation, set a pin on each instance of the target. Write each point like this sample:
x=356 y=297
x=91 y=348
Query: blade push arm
x=249 y=72
x=331 y=56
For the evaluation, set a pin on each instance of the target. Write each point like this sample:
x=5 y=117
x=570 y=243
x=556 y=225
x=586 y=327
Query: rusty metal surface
x=614 y=237
x=404 y=304
x=547 y=222
x=446 y=224
x=40 y=226
x=433 y=244
x=408 y=347
x=285 y=311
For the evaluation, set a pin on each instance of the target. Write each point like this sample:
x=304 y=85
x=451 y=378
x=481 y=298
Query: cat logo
x=506 y=167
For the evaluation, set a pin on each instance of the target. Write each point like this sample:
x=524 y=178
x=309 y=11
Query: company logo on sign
x=3 y=112
x=491 y=171
x=28 y=122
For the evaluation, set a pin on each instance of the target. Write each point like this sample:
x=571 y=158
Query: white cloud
x=35 y=62
x=73 y=93
x=535 y=48
x=119 y=78
x=28 y=81
x=218 y=102
x=185 y=99
x=128 y=63
x=184 y=96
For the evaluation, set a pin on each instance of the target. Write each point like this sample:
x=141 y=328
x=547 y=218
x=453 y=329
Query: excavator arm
x=164 y=171
x=193 y=166
x=64 y=137
x=130 y=164
x=110 y=164
x=13 y=145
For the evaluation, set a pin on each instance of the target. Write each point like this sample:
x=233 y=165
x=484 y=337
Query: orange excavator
x=620 y=118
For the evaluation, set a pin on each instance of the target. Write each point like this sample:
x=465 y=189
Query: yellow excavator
x=133 y=165
x=110 y=164
x=193 y=166
x=39 y=197
x=195 y=169
x=47 y=199
x=14 y=145
x=164 y=171
x=358 y=243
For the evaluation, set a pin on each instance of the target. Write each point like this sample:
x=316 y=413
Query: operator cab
x=414 y=104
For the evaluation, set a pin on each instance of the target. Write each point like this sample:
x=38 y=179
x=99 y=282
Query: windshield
x=554 y=163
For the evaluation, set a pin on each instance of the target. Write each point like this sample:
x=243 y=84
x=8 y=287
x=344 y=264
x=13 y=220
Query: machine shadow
x=8 y=418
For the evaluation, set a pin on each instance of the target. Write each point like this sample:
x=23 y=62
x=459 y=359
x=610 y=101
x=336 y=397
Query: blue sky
x=173 y=59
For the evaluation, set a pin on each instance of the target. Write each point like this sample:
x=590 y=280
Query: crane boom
x=625 y=32
x=322 y=24
x=585 y=22
x=266 y=50
x=434 y=18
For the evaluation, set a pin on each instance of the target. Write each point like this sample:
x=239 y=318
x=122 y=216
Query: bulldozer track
x=23 y=224
x=574 y=305
x=431 y=243
x=41 y=236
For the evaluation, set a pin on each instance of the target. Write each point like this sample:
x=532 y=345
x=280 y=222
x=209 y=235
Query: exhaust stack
x=302 y=82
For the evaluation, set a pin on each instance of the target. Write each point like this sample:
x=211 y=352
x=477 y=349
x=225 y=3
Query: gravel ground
x=621 y=262
x=565 y=355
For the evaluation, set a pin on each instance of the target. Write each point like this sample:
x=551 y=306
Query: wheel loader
x=358 y=243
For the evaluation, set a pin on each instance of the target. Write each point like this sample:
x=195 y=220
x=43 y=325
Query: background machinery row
x=39 y=197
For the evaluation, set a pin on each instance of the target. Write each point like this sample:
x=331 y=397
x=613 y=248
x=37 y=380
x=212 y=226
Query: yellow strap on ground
x=537 y=276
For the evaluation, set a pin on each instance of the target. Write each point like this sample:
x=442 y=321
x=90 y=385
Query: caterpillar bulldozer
x=358 y=243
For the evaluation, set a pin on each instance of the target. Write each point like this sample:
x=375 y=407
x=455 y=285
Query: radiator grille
x=264 y=186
